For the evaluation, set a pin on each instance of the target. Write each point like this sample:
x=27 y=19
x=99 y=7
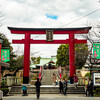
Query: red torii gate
x=27 y=41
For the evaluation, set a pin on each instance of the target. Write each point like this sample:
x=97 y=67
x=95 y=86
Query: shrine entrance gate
x=49 y=33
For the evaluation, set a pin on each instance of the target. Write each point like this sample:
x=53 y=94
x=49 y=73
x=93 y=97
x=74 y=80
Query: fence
x=11 y=80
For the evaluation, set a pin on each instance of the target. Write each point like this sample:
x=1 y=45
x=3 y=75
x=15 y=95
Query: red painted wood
x=72 y=55
x=80 y=41
x=19 y=41
x=26 y=55
x=49 y=42
x=54 y=32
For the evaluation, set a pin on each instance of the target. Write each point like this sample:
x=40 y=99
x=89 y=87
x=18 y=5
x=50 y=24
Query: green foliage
x=5 y=91
x=7 y=44
x=96 y=92
x=35 y=60
x=87 y=75
x=20 y=61
x=64 y=76
x=34 y=76
x=81 y=53
x=63 y=55
x=3 y=84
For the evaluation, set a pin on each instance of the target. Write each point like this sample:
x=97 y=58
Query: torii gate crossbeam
x=27 y=41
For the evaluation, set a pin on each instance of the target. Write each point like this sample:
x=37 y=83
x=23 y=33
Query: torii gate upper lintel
x=27 y=41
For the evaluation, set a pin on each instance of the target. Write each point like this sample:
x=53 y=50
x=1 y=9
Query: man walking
x=61 y=86
x=38 y=84
x=65 y=86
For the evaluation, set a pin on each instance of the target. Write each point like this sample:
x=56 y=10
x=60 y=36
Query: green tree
x=35 y=60
x=20 y=61
x=63 y=55
x=7 y=44
x=88 y=75
x=38 y=60
x=81 y=53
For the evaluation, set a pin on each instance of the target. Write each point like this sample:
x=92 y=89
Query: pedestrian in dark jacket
x=87 y=87
x=61 y=86
x=91 y=88
x=65 y=86
x=38 y=84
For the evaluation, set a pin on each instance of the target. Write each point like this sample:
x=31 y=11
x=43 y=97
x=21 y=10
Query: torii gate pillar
x=26 y=59
x=27 y=41
x=72 y=56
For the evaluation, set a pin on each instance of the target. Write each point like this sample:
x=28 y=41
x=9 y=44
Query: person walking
x=64 y=86
x=54 y=79
x=38 y=84
x=61 y=86
x=87 y=87
x=75 y=80
x=91 y=88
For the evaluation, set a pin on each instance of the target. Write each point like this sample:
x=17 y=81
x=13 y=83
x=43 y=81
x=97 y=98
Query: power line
x=80 y=18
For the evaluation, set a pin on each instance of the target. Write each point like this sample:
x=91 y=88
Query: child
x=24 y=88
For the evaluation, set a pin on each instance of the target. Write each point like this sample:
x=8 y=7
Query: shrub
x=34 y=77
x=3 y=84
x=87 y=75
x=5 y=91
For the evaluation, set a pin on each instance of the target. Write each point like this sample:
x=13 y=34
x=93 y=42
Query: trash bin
x=1 y=95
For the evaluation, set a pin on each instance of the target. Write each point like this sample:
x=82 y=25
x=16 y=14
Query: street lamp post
x=0 y=58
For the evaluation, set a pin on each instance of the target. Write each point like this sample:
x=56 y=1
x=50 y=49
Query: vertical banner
x=5 y=55
x=96 y=50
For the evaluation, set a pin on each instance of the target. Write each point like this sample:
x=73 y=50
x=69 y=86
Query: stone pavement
x=51 y=97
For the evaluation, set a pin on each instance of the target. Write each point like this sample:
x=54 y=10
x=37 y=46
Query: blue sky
x=52 y=16
x=43 y=14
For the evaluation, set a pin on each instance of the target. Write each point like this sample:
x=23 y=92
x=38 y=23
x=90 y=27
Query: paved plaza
x=51 y=97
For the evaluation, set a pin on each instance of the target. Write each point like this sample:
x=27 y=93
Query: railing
x=11 y=80
x=59 y=72
x=81 y=80
x=40 y=73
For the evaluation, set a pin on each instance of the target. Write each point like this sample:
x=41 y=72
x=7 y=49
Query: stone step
x=47 y=76
x=46 y=90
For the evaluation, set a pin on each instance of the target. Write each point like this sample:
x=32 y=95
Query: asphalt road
x=51 y=97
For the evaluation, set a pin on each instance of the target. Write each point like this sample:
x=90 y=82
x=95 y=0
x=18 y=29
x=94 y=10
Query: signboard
x=96 y=50
x=96 y=79
x=5 y=55
x=49 y=35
